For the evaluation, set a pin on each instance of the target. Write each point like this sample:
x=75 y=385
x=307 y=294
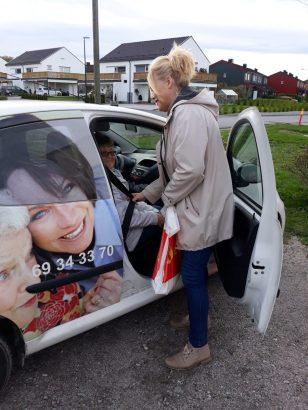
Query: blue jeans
x=194 y=277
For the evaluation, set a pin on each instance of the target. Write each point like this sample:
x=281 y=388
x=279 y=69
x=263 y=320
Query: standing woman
x=194 y=176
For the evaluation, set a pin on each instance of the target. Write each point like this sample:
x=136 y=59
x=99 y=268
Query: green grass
x=63 y=98
x=289 y=146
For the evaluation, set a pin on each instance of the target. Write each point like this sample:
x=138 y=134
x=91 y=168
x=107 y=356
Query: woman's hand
x=138 y=197
x=106 y=292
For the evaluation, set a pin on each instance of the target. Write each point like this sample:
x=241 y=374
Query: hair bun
x=179 y=64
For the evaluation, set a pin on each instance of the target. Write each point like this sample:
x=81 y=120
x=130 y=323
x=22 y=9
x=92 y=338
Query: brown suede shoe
x=182 y=323
x=189 y=357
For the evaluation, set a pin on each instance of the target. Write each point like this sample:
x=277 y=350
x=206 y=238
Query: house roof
x=33 y=57
x=142 y=50
x=239 y=67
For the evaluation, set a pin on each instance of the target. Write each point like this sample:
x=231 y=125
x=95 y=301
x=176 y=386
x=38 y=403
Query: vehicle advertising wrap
x=61 y=251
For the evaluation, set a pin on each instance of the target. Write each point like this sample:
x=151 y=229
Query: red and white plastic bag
x=167 y=267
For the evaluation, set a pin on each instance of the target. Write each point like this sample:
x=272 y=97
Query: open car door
x=250 y=263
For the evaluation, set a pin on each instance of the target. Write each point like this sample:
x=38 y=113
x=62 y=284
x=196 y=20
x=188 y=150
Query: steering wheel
x=144 y=175
x=125 y=165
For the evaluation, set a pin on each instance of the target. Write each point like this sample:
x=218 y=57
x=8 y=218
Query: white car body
x=262 y=283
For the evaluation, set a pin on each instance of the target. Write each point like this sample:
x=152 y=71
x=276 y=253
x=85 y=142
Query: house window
x=29 y=70
x=281 y=82
x=254 y=78
x=18 y=70
x=121 y=69
x=64 y=69
x=224 y=75
x=259 y=80
x=142 y=68
x=49 y=67
x=264 y=80
x=247 y=76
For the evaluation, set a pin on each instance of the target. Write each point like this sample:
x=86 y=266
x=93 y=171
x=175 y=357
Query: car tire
x=6 y=363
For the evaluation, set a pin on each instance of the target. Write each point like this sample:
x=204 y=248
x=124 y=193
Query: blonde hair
x=179 y=64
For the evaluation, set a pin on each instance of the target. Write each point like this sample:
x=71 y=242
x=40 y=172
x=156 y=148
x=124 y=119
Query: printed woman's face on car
x=16 y=263
x=66 y=227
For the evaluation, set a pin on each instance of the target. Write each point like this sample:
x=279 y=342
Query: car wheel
x=5 y=363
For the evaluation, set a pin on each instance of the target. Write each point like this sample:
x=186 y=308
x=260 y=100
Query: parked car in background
x=62 y=246
x=47 y=91
x=64 y=93
x=11 y=90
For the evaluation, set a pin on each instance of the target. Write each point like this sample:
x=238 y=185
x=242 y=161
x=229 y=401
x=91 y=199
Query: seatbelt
x=130 y=208
x=117 y=183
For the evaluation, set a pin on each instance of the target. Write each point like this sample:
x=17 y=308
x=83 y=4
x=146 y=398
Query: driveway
x=120 y=365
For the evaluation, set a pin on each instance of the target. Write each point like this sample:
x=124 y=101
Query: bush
x=3 y=97
x=33 y=97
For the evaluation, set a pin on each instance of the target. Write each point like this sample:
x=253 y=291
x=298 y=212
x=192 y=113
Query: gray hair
x=13 y=218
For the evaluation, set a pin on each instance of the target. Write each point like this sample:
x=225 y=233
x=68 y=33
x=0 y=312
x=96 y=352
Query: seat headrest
x=104 y=126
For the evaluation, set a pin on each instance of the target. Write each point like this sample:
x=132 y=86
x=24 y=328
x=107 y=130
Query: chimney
x=256 y=70
x=285 y=71
x=230 y=60
x=245 y=65
x=290 y=74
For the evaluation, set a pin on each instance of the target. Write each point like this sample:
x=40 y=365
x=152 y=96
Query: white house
x=129 y=64
x=3 y=72
x=56 y=68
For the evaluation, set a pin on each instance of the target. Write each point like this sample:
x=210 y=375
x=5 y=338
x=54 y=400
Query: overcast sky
x=270 y=35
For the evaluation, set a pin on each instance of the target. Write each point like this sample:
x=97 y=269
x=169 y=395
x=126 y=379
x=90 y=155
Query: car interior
x=233 y=255
x=135 y=162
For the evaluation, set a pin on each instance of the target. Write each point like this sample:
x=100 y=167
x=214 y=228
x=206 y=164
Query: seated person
x=145 y=230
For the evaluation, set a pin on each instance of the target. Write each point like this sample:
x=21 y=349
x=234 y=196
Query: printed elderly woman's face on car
x=64 y=227
x=16 y=263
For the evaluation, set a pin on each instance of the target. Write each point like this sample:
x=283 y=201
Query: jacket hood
x=204 y=98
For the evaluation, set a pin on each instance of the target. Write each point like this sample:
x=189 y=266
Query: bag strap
x=130 y=208
x=163 y=142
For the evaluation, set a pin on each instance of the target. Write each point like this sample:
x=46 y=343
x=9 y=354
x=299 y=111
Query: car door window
x=245 y=165
x=60 y=233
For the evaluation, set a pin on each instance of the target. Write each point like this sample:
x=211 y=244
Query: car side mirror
x=131 y=127
x=249 y=174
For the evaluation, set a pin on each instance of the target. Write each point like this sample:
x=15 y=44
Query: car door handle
x=257 y=266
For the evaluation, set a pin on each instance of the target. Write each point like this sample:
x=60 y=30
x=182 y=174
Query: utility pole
x=85 y=63
x=97 y=85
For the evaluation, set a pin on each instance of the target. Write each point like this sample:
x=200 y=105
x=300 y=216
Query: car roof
x=13 y=107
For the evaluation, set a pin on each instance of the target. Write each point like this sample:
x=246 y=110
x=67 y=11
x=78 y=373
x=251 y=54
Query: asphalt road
x=120 y=365
x=227 y=121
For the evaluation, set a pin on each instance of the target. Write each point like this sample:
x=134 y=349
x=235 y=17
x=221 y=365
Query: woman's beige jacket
x=200 y=184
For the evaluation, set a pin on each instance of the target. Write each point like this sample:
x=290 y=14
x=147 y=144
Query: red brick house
x=285 y=83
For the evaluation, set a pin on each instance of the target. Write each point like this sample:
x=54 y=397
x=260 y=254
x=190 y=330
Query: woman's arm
x=141 y=217
x=154 y=191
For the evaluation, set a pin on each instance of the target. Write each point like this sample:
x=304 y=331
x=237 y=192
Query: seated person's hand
x=138 y=197
x=160 y=220
x=107 y=291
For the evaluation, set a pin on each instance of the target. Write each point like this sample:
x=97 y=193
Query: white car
x=62 y=245
x=47 y=91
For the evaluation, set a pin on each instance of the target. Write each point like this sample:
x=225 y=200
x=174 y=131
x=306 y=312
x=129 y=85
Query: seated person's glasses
x=106 y=154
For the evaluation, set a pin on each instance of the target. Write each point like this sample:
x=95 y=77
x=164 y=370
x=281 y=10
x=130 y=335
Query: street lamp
x=85 y=62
